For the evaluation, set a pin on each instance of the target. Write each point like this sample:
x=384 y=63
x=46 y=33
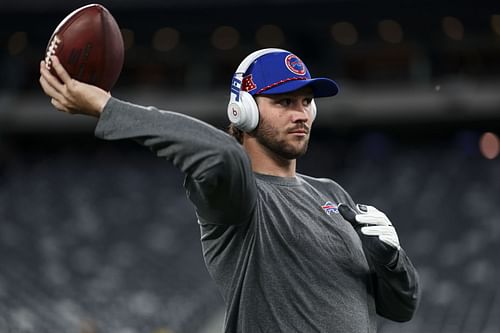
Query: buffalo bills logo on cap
x=295 y=65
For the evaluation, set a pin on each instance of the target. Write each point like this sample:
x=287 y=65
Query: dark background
x=99 y=237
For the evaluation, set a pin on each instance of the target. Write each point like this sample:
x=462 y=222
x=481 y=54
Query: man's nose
x=302 y=113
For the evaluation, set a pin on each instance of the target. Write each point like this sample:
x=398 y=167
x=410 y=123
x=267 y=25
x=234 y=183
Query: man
x=285 y=256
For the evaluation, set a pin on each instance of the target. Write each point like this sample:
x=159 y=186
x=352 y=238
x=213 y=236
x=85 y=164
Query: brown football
x=89 y=44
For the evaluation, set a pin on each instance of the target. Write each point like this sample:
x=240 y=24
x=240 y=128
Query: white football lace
x=51 y=50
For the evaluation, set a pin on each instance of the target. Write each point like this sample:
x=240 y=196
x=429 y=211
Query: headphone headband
x=243 y=67
x=245 y=64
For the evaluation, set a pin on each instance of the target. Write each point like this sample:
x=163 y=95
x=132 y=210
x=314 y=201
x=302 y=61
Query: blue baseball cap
x=282 y=72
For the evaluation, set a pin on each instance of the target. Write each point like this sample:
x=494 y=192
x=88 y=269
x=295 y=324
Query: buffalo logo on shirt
x=330 y=208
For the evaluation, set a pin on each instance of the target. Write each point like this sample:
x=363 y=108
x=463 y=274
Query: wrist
x=100 y=103
x=394 y=260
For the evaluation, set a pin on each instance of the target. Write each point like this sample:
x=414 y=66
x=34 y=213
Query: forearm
x=397 y=288
x=218 y=171
x=193 y=146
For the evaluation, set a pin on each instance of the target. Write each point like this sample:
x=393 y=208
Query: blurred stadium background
x=99 y=237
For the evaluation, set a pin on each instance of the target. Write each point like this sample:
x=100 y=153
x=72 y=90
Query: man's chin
x=293 y=153
x=285 y=148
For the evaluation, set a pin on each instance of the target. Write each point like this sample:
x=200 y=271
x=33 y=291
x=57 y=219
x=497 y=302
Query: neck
x=267 y=162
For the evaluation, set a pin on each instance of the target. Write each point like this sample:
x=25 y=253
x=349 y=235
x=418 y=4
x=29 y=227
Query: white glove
x=379 y=238
x=378 y=224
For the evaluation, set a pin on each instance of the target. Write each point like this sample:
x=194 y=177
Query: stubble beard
x=269 y=137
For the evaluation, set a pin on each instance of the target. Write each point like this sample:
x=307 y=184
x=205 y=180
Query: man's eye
x=285 y=102
x=307 y=101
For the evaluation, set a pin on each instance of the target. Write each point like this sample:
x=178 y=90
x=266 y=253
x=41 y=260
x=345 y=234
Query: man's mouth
x=302 y=130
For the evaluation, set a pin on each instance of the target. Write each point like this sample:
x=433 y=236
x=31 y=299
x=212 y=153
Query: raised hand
x=69 y=95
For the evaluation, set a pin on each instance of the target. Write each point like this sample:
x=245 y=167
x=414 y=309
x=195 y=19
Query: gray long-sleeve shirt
x=282 y=256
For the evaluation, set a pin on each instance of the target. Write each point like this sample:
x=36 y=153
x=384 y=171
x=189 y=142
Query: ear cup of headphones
x=244 y=114
x=314 y=110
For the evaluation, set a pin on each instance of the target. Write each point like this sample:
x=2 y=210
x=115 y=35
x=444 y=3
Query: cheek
x=272 y=118
x=310 y=117
x=268 y=127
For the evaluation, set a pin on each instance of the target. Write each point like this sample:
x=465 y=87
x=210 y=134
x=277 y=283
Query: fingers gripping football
x=69 y=95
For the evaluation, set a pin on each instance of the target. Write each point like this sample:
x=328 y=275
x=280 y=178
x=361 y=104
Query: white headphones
x=242 y=109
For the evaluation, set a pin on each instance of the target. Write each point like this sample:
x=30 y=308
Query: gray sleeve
x=397 y=289
x=219 y=179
